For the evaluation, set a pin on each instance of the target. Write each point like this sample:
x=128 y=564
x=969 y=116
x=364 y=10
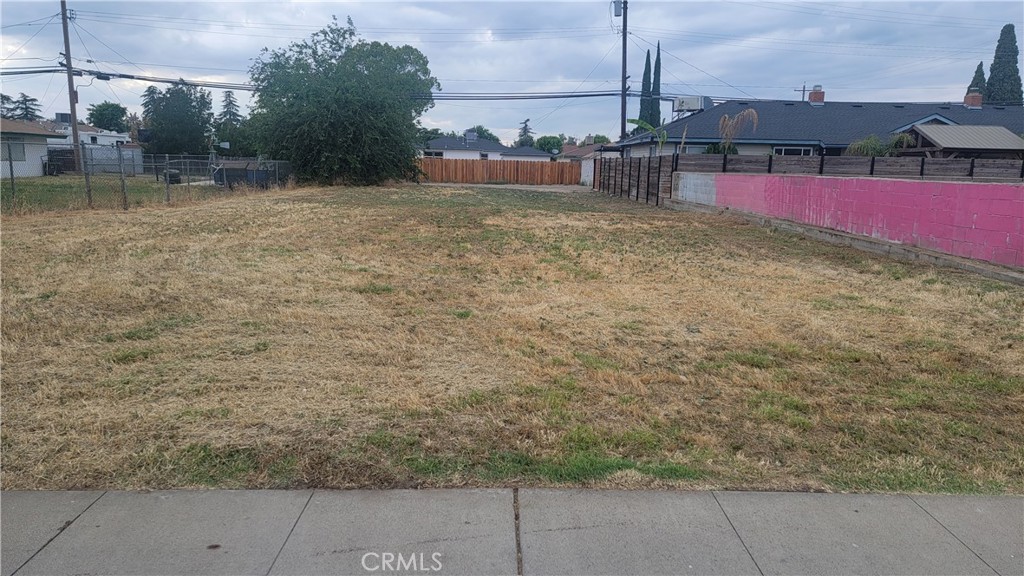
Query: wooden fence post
x=770 y=156
x=10 y=169
x=871 y=171
x=922 y=166
x=647 y=192
x=725 y=161
x=821 y=164
x=970 y=173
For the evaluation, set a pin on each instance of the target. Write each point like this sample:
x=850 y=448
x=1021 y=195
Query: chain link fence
x=39 y=177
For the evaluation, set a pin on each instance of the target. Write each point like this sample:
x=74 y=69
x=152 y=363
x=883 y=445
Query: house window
x=17 y=150
x=483 y=156
x=93 y=140
x=626 y=152
x=653 y=151
x=694 y=149
x=432 y=154
x=793 y=151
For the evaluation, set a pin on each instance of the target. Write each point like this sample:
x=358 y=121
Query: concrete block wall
x=983 y=221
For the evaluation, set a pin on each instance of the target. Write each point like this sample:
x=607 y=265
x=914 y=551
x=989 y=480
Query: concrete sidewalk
x=504 y=531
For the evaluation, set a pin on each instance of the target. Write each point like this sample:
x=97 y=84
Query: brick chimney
x=973 y=98
x=816 y=96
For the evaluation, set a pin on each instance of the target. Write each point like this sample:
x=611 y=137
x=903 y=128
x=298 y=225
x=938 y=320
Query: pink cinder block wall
x=984 y=221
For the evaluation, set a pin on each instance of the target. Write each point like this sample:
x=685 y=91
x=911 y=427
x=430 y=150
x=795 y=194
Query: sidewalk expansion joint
x=59 y=532
x=737 y=532
x=289 y=536
x=519 y=544
x=951 y=533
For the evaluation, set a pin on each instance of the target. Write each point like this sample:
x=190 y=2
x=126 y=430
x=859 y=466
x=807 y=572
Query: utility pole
x=625 y=37
x=803 y=92
x=72 y=94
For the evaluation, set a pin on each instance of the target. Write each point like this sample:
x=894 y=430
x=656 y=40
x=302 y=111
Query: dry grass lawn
x=430 y=336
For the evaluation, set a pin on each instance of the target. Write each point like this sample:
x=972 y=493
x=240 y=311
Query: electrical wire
x=592 y=70
x=41 y=28
x=29 y=22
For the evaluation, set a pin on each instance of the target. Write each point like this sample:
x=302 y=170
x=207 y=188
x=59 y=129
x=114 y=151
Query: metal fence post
x=10 y=168
x=188 y=177
x=120 y=169
x=167 y=187
x=88 y=177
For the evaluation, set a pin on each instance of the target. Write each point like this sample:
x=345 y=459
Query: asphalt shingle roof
x=526 y=151
x=834 y=124
x=453 y=143
x=22 y=127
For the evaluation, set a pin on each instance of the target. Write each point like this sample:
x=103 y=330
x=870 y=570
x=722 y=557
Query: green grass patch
x=462 y=314
x=206 y=465
x=374 y=288
x=131 y=355
x=595 y=362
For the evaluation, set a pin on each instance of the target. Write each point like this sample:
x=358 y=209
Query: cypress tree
x=1004 y=84
x=979 y=79
x=654 y=110
x=645 y=93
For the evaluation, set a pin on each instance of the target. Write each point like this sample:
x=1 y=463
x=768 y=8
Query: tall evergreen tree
x=229 y=114
x=1004 y=85
x=25 y=107
x=979 y=79
x=645 y=94
x=6 y=107
x=150 y=97
x=654 y=110
x=525 y=134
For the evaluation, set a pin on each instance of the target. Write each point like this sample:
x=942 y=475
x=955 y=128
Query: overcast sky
x=859 y=51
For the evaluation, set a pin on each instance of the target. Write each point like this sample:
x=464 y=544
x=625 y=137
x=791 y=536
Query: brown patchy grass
x=435 y=336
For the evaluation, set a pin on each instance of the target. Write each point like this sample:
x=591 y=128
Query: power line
x=18 y=49
x=30 y=22
x=592 y=70
x=109 y=48
x=705 y=72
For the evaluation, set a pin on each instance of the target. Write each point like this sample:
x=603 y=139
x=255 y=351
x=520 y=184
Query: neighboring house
x=86 y=134
x=817 y=127
x=527 y=154
x=573 y=153
x=944 y=141
x=466 y=147
x=469 y=147
x=23 y=147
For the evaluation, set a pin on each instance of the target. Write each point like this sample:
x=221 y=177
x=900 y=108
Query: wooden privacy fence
x=649 y=179
x=499 y=171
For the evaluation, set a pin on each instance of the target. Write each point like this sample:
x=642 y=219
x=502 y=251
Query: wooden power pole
x=72 y=93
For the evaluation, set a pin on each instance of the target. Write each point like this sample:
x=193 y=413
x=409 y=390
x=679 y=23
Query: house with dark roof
x=23 y=147
x=817 y=127
x=470 y=147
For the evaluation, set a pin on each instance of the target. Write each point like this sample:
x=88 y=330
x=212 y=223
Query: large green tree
x=979 y=79
x=549 y=143
x=340 y=108
x=24 y=107
x=6 y=107
x=179 y=119
x=229 y=110
x=108 y=116
x=602 y=139
x=485 y=134
x=1004 y=84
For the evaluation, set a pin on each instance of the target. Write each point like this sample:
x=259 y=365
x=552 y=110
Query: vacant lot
x=440 y=336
